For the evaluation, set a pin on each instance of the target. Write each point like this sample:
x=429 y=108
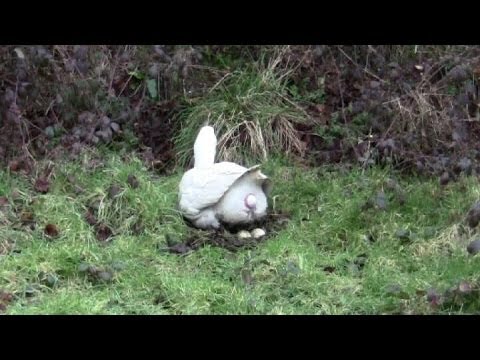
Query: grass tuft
x=252 y=113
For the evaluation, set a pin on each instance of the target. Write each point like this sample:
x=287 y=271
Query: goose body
x=211 y=194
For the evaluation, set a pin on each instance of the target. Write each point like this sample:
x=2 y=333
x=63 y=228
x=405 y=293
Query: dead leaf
x=115 y=127
x=103 y=232
x=51 y=230
x=133 y=181
x=445 y=178
x=474 y=247
x=473 y=215
x=15 y=165
x=464 y=287
x=113 y=191
x=5 y=299
x=3 y=201
x=90 y=218
x=19 y=53
x=434 y=297
x=26 y=217
x=42 y=185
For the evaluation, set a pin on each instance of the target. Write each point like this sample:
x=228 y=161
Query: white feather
x=204 y=148
x=203 y=187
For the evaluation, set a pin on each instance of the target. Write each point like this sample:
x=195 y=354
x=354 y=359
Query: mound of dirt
x=195 y=239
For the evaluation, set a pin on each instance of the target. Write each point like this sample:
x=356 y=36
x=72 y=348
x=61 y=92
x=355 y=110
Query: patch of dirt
x=155 y=129
x=195 y=239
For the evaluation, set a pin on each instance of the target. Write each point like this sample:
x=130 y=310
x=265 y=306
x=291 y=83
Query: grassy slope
x=284 y=275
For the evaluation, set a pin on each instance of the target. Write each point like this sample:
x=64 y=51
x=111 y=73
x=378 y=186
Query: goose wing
x=204 y=187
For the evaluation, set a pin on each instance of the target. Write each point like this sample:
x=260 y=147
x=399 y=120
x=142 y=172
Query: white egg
x=244 y=234
x=258 y=233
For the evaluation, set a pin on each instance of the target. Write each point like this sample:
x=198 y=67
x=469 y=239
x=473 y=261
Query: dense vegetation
x=373 y=151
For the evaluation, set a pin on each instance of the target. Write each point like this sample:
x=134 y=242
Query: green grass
x=283 y=275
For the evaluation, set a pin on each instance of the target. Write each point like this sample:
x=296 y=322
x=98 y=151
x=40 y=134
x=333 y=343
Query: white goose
x=212 y=193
